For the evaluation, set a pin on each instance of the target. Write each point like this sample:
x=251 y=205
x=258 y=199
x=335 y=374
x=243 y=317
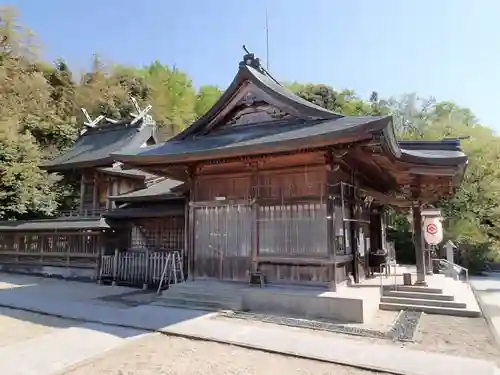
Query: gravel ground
x=468 y=337
x=160 y=355
x=18 y=325
x=381 y=321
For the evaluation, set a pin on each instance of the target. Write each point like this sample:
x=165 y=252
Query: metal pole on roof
x=267 y=41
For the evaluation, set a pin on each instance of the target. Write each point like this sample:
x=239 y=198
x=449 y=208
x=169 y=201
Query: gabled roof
x=95 y=146
x=279 y=121
x=252 y=77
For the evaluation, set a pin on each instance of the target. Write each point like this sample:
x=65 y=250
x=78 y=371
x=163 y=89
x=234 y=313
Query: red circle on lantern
x=432 y=229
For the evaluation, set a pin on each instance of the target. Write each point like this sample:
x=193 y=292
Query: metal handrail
x=455 y=265
x=388 y=265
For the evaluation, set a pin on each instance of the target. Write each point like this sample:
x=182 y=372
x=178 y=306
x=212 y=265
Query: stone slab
x=52 y=353
x=487 y=291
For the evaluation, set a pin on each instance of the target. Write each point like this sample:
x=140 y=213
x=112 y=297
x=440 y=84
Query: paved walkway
x=488 y=293
x=51 y=353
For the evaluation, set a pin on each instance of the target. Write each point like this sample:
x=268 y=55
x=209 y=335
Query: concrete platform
x=442 y=295
x=81 y=302
x=350 y=305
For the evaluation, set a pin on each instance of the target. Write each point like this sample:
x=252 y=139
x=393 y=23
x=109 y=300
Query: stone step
x=417 y=295
x=411 y=288
x=196 y=304
x=200 y=296
x=219 y=287
x=430 y=309
x=423 y=302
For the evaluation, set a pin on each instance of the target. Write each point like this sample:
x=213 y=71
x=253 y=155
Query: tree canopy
x=40 y=116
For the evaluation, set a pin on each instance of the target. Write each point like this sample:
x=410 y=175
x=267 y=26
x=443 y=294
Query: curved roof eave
x=420 y=156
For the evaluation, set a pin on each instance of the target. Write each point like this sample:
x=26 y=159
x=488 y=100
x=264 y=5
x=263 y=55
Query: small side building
x=152 y=227
x=153 y=216
x=71 y=244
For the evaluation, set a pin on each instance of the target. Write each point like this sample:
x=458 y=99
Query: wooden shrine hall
x=129 y=211
x=284 y=191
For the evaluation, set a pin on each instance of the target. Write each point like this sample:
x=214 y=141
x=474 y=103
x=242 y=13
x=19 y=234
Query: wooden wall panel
x=233 y=188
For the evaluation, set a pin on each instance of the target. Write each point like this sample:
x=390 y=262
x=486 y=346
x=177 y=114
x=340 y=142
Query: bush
x=403 y=243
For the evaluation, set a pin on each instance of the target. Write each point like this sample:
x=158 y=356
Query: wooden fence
x=142 y=268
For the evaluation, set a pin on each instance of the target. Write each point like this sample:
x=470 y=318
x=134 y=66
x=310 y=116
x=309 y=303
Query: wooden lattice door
x=223 y=242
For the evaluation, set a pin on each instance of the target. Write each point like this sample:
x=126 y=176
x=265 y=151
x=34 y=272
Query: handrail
x=455 y=265
x=388 y=265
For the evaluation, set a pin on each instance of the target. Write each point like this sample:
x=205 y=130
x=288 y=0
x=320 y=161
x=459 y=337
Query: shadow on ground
x=118 y=311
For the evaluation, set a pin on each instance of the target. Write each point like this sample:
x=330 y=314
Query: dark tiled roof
x=159 y=190
x=173 y=208
x=95 y=146
x=311 y=126
x=445 y=152
x=444 y=144
x=118 y=170
x=63 y=223
x=261 y=138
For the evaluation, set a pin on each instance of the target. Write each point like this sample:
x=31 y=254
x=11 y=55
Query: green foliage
x=24 y=189
x=207 y=96
x=40 y=116
x=345 y=102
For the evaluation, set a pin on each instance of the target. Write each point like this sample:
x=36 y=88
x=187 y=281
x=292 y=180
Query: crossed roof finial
x=141 y=113
x=90 y=123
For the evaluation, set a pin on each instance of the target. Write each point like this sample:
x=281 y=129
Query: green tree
x=473 y=214
x=25 y=97
x=207 y=96
x=345 y=102
x=172 y=95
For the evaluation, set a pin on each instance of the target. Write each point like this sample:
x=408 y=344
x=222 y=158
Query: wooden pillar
x=82 y=191
x=255 y=218
x=419 y=243
x=185 y=257
x=354 y=225
x=95 y=197
x=429 y=261
x=109 y=186
x=330 y=222
x=100 y=242
x=191 y=222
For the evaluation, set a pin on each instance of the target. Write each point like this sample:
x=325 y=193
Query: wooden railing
x=85 y=212
x=142 y=267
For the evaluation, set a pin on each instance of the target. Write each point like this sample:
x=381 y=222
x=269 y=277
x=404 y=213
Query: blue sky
x=449 y=49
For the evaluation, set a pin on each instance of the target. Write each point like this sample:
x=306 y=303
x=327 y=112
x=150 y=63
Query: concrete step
x=411 y=288
x=423 y=302
x=430 y=309
x=196 y=304
x=193 y=295
x=209 y=286
x=417 y=295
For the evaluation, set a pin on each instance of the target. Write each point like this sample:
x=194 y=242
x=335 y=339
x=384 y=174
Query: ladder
x=173 y=272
